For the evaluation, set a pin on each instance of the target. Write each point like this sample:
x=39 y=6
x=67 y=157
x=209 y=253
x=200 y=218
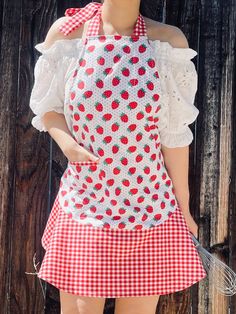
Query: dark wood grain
x=31 y=164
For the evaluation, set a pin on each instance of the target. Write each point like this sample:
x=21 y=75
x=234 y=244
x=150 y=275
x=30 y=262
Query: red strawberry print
x=141 y=93
x=133 y=191
x=102 y=38
x=116 y=81
x=76 y=116
x=107 y=94
x=132 y=105
x=121 y=225
x=99 y=217
x=116 y=170
x=144 y=217
x=82 y=62
x=142 y=48
x=122 y=211
x=131 y=219
x=91 y=48
x=140 y=115
x=139 y=158
x=117 y=37
x=107 y=71
x=89 y=117
x=115 y=127
x=107 y=139
x=132 y=170
x=116 y=217
x=124 y=94
x=141 y=71
x=81 y=84
x=124 y=139
x=133 y=82
x=87 y=94
x=166 y=195
x=72 y=95
x=149 y=209
x=108 y=212
x=139 y=137
x=93 y=209
x=101 y=60
x=117 y=191
x=150 y=85
x=99 y=106
x=125 y=71
x=99 y=83
x=151 y=62
x=126 y=202
x=132 y=127
x=115 y=104
x=134 y=38
x=124 y=117
x=157 y=217
x=163 y=205
x=75 y=128
x=89 y=71
x=146 y=190
x=126 y=49
x=107 y=117
x=134 y=60
x=106 y=225
x=115 y=112
x=99 y=129
x=83 y=216
x=125 y=182
x=117 y=58
x=109 y=47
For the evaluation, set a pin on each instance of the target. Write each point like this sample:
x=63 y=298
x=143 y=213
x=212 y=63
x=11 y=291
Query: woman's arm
x=54 y=122
x=177 y=159
x=177 y=164
x=56 y=126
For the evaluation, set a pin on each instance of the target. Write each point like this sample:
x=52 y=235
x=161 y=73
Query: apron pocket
x=84 y=174
x=87 y=178
x=83 y=188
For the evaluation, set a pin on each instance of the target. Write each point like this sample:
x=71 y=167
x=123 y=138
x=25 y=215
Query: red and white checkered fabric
x=111 y=263
x=79 y=16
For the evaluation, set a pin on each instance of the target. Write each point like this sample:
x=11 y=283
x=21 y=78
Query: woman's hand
x=193 y=227
x=76 y=152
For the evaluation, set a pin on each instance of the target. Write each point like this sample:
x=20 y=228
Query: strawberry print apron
x=115 y=228
x=113 y=102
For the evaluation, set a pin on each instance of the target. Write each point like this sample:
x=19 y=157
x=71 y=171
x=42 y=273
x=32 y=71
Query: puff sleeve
x=48 y=92
x=179 y=81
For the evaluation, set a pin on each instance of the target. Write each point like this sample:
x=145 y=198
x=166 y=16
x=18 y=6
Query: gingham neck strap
x=93 y=11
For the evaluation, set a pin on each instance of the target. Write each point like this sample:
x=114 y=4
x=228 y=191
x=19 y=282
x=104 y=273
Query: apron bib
x=113 y=103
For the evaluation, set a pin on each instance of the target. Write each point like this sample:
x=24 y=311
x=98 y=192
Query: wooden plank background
x=31 y=164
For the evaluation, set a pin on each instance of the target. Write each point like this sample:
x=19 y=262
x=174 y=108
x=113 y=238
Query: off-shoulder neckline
x=187 y=52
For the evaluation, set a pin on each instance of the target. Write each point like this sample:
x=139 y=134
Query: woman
x=115 y=90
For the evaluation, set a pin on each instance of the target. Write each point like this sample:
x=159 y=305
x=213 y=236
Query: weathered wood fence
x=31 y=163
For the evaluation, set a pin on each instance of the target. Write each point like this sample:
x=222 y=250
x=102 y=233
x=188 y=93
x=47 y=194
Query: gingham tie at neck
x=93 y=11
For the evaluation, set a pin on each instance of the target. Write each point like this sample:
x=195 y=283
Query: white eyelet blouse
x=177 y=74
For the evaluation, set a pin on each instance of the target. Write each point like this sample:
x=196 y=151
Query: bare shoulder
x=166 y=33
x=55 y=34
